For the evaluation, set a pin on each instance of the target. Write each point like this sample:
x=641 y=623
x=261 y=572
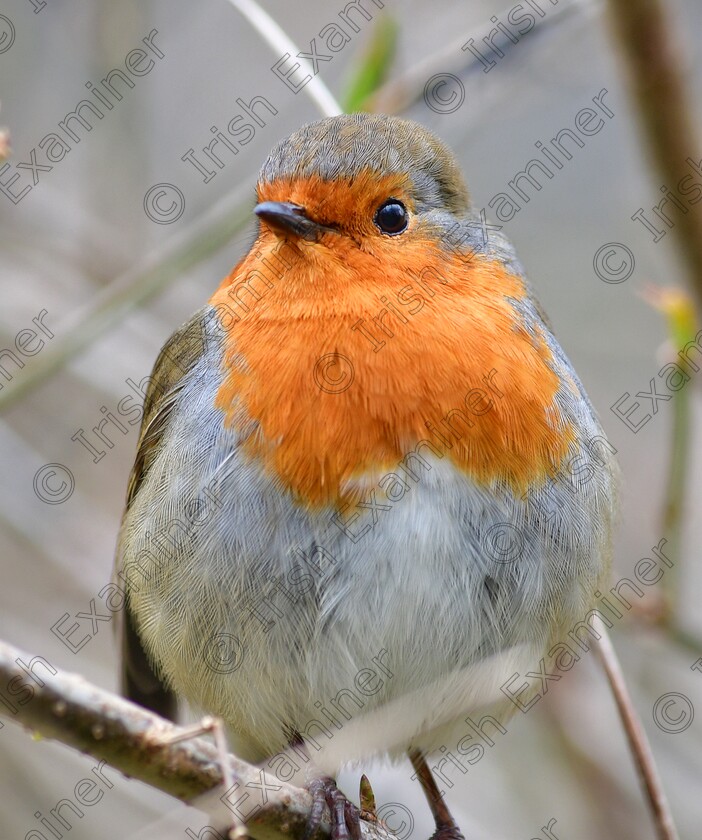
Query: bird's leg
x=446 y=828
x=345 y=816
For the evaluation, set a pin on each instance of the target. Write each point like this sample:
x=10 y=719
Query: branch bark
x=67 y=708
x=653 y=57
x=636 y=736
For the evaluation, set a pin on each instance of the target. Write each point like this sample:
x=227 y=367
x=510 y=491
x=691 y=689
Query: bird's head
x=360 y=181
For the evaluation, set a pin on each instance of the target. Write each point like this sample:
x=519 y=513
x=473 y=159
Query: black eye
x=392 y=216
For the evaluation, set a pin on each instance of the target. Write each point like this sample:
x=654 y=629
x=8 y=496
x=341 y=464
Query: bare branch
x=138 y=743
x=653 y=55
x=640 y=748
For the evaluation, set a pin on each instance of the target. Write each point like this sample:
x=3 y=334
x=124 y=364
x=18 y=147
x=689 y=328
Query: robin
x=365 y=465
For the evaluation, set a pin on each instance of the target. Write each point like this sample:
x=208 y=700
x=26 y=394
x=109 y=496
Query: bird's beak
x=285 y=217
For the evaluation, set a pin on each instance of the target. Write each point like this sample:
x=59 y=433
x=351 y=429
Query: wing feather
x=139 y=681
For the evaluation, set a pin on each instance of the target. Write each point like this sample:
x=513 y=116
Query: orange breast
x=459 y=370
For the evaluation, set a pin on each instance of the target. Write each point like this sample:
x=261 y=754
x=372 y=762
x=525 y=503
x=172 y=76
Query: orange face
x=439 y=347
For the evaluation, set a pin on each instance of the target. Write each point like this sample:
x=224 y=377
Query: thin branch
x=403 y=90
x=186 y=250
x=640 y=748
x=135 y=287
x=139 y=744
x=652 y=53
x=278 y=39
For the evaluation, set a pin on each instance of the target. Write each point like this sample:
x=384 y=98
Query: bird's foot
x=345 y=816
x=448 y=831
x=446 y=828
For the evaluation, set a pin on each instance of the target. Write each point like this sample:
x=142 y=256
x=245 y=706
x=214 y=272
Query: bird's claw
x=345 y=816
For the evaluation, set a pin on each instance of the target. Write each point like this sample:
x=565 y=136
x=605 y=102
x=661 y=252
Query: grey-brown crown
x=343 y=146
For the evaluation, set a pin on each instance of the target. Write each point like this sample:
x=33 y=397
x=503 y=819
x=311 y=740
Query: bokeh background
x=115 y=283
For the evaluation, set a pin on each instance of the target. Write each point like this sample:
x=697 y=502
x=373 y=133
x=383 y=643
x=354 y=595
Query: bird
x=367 y=473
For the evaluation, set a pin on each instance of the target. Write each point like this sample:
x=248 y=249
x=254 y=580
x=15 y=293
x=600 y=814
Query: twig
x=403 y=90
x=277 y=38
x=140 y=744
x=651 y=51
x=640 y=748
x=135 y=287
x=200 y=241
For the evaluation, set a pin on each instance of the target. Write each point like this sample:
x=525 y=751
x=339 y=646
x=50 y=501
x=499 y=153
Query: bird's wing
x=179 y=354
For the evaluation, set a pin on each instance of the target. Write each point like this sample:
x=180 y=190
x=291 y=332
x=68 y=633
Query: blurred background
x=114 y=233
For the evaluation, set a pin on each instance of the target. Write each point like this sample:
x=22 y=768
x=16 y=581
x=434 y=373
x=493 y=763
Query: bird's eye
x=392 y=216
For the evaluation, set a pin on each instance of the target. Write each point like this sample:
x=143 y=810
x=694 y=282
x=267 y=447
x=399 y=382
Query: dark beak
x=285 y=217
